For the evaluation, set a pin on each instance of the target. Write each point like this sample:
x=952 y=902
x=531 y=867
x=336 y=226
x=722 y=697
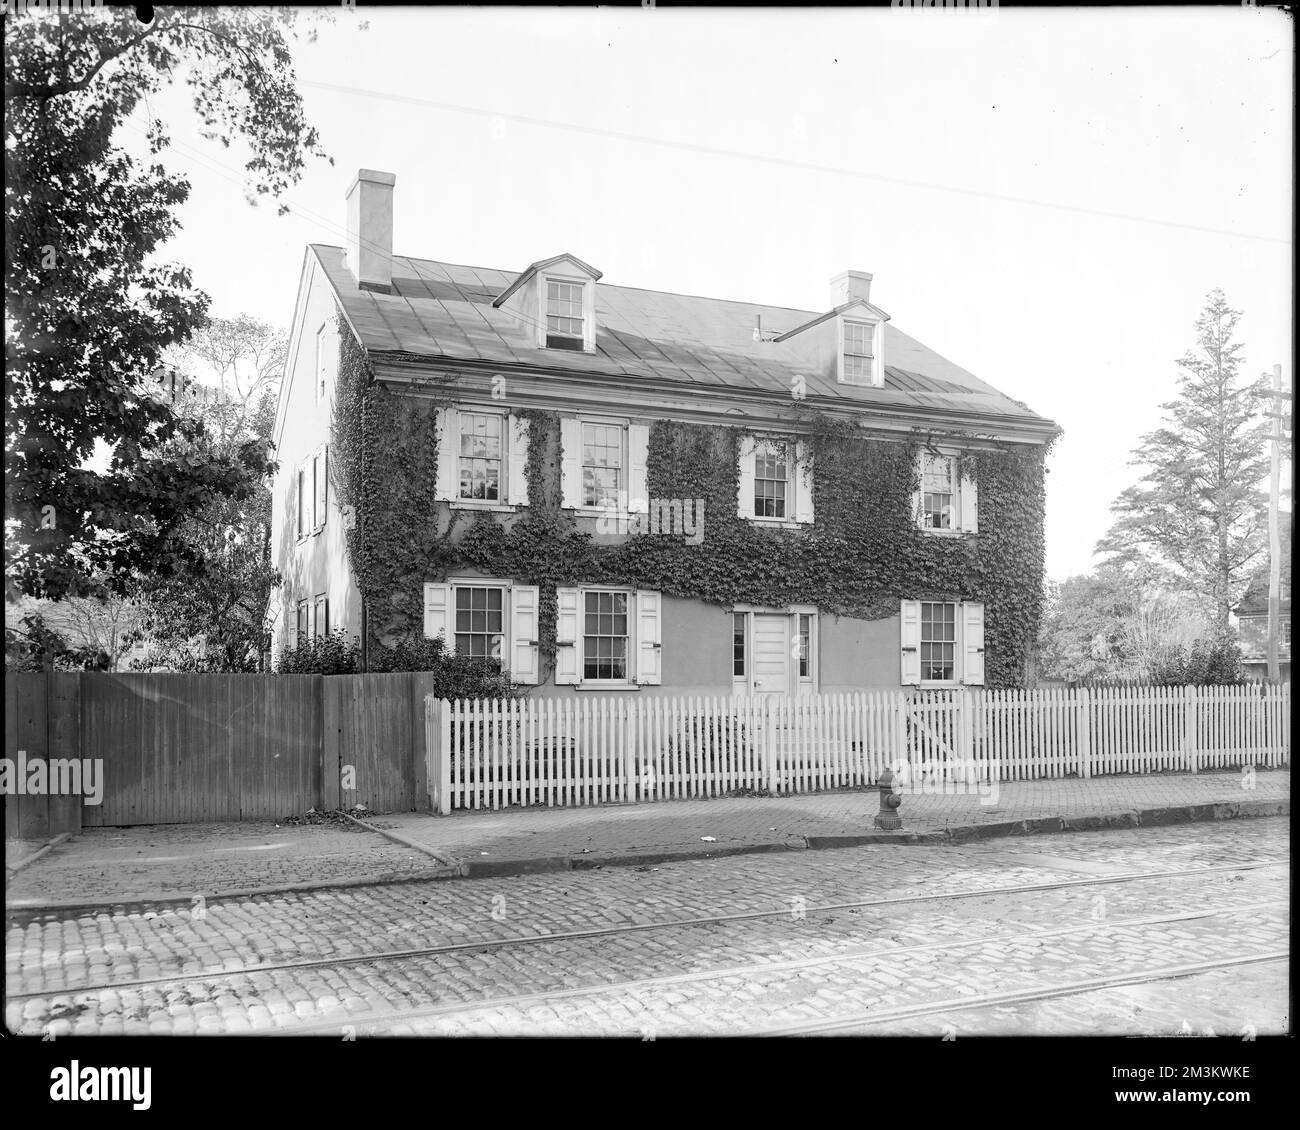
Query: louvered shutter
x=570 y=462
x=567 y=636
x=972 y=637
x=649 y=638
x=447 y=487
x=437 y=613
x=970 y=522
x=638 y=450
x=910 y=642
x=523 y=633
x=803 y=479
x=745 y=493
x=517 y=459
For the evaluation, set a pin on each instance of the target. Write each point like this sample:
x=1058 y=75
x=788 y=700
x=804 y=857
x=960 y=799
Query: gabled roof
x=542 y=265
x=449 y=312
x=862 y=303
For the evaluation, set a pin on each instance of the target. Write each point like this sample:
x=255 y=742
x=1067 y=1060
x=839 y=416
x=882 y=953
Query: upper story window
x=771 y=479
x=482 y=456
x=858 y=355
x=775 y=480
x=947 y=499
x=565 y=317
x=313 y=492
x=604 y=475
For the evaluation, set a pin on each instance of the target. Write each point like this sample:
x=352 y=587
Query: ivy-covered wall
x=860 y=557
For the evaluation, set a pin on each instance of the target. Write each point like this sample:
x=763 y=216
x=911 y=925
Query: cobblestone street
x=915 y=939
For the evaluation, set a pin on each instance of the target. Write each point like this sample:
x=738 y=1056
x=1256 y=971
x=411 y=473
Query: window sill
x=777 y=523
x=929 y=531
x=489 y=507
x=607 y=686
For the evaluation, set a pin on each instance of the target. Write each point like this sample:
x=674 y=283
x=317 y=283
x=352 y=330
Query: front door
x=771 y=655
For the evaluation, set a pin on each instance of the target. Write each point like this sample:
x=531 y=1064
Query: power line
x=786 y=162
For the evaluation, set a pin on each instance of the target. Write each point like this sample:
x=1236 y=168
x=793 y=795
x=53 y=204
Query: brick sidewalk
x=733 y=822
x=181 y=860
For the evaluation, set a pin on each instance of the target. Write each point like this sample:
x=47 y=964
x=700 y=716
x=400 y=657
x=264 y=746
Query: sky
x=1045 y=197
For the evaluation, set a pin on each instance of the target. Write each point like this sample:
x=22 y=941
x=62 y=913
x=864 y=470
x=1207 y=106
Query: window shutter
x=322 y=488
x=803 y=483
x=910 y=641
x=517 y=462
x=447 y=487
x=523 y=633
x=327 y=616
x=972 y=636
x=970 y=520
x=567 y=638
x=437 y=613
x=638 y=451
x=649 y=638
x=745 y=494
x=570 y=462
x=302 y=503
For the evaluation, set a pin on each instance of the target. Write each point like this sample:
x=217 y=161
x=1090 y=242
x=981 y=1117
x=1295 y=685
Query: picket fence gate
x=491 y=753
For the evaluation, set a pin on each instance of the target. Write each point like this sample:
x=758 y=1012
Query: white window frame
x=515 y=431
x=644 y=638
x=588 y=292
x=876 y=377
x=519 y=633
x=629 y=675
x=799 y=493
x=964 y=510
x=322 y=341
x=632 y=498
x=968 y=619
x=624 y=466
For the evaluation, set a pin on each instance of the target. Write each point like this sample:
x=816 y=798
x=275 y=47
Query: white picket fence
x=628 y=748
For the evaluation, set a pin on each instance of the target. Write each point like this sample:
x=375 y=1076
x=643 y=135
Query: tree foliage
x=90 y=312
x=1198 y=511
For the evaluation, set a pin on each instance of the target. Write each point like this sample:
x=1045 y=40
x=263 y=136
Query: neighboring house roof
x=1255 y=600
x=446 y=311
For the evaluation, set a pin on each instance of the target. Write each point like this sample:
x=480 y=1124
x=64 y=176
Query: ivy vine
x=862 y=554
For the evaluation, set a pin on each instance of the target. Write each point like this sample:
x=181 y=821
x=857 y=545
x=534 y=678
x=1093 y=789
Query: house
x=610 y=488
x=1252 y=616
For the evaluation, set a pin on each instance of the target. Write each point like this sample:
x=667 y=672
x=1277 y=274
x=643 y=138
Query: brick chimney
x=370 y=230
x=850 y=286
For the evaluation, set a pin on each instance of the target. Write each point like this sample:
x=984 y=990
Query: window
x=1284 y=633
x=738 y=621
x=857 y=352
x=482 y=465
x=303 y=632
x=937 y=492
x=775 y=480
x=564 y=317
x=942 y=643
x=602 y=464
x=480 y=622
x=604 y=635
x=771 y=479
x=303 y=524
x=805 y=645
x=322 y=357
x=938 y=642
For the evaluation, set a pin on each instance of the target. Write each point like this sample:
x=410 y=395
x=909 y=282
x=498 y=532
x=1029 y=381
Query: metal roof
x=445 y=311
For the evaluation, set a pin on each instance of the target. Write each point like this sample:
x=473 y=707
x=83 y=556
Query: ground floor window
x=938 y=641
x=480 y=622
x=942 y=643
x=605 y=635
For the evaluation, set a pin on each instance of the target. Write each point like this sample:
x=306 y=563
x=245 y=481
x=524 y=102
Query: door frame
x=743 y=686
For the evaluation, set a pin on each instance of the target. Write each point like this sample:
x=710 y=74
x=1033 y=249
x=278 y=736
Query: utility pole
x=1278 y=398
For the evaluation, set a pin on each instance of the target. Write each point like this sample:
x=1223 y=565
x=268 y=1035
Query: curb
x=50 y=846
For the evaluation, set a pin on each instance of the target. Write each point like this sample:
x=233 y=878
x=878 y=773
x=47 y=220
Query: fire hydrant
x=888 y=818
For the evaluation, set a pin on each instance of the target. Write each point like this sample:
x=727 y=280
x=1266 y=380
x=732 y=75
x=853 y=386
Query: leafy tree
x=221 y=624
x=89 y=312
x=1198 y=511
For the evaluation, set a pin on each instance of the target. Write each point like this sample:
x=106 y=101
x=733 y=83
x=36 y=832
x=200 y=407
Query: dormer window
x=859 y=352
x=565 y=323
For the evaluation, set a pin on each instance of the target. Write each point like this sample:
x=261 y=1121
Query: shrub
x=1213 y=662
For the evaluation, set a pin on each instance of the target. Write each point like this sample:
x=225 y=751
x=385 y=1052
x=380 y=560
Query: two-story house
x=610 y=488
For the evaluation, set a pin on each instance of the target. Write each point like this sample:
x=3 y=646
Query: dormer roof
x=572 y=261
x=858 y=305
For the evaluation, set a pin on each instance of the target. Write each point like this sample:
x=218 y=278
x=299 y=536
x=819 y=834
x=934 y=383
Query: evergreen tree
x=1198 y=512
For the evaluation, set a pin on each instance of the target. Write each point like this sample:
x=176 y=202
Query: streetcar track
x=991 y=1000
x=521 y=1000
x=627 y=928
